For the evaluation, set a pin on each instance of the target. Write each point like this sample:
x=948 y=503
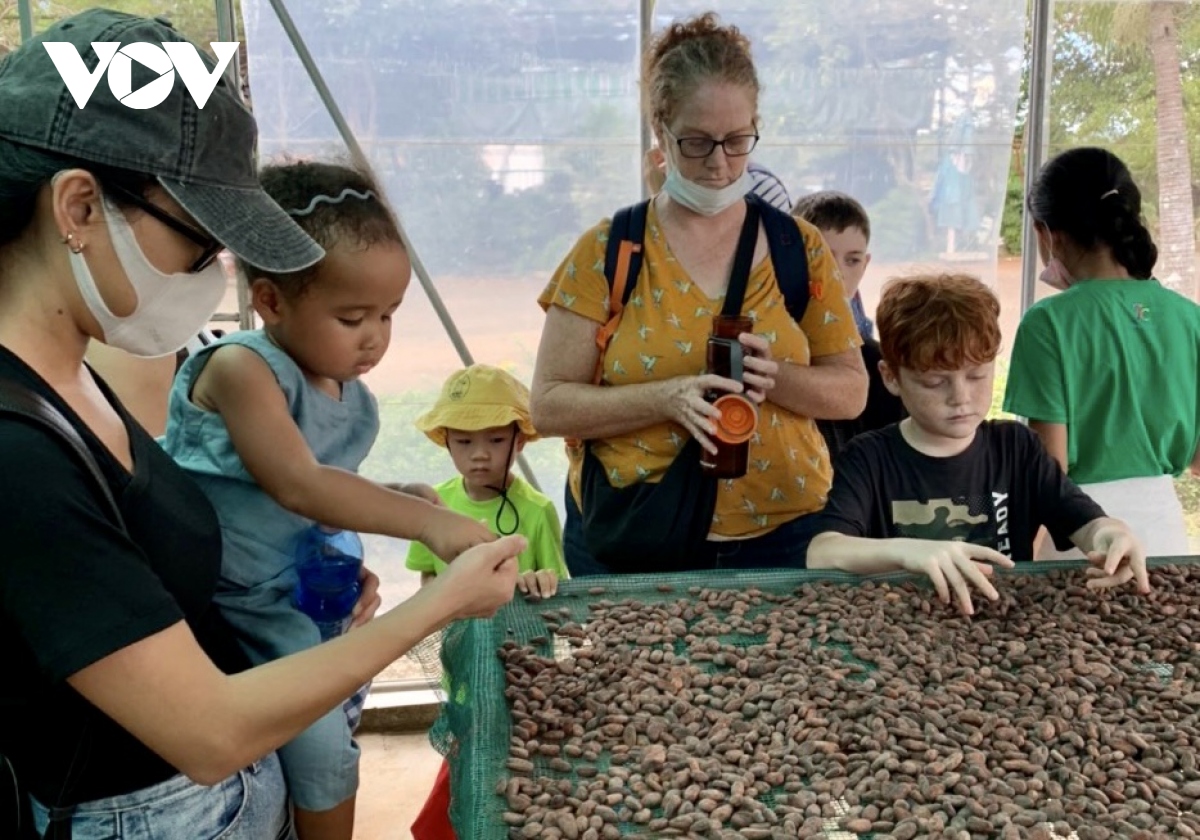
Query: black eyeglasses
x=736 y=145
x=211 y=246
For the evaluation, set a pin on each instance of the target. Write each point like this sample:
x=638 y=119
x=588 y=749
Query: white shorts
x=1149 y=506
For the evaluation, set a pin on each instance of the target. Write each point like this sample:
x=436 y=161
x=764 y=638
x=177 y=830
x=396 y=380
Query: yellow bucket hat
x=479 y=397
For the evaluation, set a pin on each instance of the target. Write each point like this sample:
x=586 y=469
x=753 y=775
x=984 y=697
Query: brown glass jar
x=739 y=415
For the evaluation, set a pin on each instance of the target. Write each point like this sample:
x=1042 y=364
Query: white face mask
x=707 y=201
x=171 y=308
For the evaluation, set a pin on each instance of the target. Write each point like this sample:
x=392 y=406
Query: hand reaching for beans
x=1118 y=558
x=542 y=583
x=954 y=567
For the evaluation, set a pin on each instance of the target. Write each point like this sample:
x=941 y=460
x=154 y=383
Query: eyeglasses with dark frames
x=211 y=246
x=736 y=145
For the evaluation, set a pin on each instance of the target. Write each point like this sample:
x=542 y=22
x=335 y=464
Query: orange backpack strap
x=622 y=264
x=626 y=251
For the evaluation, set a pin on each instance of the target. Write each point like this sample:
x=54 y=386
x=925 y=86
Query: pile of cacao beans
x=869 y=709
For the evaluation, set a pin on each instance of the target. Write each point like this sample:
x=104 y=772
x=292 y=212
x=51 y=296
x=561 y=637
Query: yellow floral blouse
x=663 y=333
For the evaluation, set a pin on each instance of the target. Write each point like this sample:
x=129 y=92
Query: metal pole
x=645 y=30
x=26 y=15
x=360 y=158
x=1035 y=137
x=227 y=31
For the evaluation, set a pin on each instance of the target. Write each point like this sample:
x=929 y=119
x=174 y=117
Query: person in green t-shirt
x=482 y=417
x=1106 y=370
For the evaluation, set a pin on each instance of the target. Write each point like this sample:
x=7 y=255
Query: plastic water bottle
x=328 y=563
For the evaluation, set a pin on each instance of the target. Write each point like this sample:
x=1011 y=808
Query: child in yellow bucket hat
x=482 y=417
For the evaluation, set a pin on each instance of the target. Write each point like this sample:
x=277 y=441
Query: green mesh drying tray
x=474 y=729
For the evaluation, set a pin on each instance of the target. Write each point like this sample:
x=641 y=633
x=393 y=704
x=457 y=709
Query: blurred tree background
x=1123 y=76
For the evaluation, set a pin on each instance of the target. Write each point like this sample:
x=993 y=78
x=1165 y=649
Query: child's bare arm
x=1054 y=438
x=954 y=567
x=421 y=491
x=858 y=555
x=240 y=386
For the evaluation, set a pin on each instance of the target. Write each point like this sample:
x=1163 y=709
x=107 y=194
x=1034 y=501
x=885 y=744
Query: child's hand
x=542 y=583
x=482 y=579
x=368 y=598
x=1118 y=558
x=954 y=565
x=421 y=491
x=449 y=534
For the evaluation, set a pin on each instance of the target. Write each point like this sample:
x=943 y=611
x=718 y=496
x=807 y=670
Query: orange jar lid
x=738 y=420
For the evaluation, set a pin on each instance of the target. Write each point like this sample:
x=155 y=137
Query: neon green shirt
x=538 y=524
x=1115 y=361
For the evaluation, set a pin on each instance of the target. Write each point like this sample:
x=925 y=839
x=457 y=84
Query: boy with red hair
x=946 y=492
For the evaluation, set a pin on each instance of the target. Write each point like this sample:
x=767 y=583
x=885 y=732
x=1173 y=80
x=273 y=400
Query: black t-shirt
x=74 y=588
x=883 y=407
x=996 y=493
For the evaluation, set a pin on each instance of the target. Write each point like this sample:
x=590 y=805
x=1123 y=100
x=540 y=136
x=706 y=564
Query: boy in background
x=847 y=231
x=482 y=418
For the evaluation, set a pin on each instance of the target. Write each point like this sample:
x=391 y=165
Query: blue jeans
x=249 y=805
x=321 y=764
x=784 y=548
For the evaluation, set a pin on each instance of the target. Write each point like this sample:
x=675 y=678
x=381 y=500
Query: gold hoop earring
x=73 y=246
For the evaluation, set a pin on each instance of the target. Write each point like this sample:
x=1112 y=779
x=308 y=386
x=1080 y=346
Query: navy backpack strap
x=616 y=232
x=743 y=261
x=628 y=225
x=788 y=256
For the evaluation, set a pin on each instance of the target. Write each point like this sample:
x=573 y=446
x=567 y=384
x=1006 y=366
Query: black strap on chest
x=25 y=404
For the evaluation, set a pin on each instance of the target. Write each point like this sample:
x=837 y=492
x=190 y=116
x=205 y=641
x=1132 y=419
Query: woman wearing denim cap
x=127 y=712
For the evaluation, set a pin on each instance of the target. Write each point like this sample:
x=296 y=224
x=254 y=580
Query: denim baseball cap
x=203 y=157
